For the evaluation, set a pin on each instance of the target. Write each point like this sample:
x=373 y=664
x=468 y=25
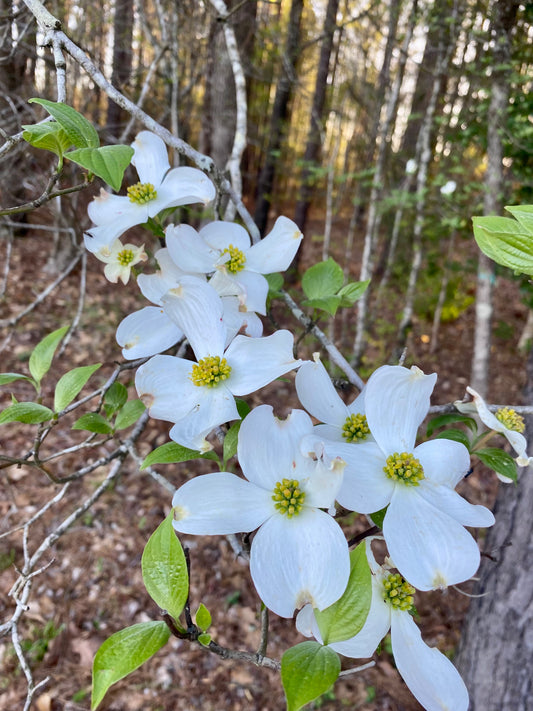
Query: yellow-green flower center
x=356 y=428
x=141 y=193
x=404 y=467
x=236 y=260
x=125 y=257
x=210 y=371
x=288 y=497
x=511 y=419
x=398 y=592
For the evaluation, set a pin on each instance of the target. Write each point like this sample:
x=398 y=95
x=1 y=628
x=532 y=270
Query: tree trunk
x=122 y=59
x=315 y=137
x=279 y=116
x=496 y=650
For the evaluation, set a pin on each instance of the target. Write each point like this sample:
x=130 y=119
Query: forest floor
x=93 y=587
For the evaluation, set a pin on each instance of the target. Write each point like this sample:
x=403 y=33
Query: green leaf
x=499 y=461
x=346 y=617
x=456 y=436
x=93 y=422
x=204 y=639
x=124 y=652
x=129 y=414
x=203 y=618
x=115 y=398
x=448 y=419
x=323 y=279
x=81 y=133
x=47 y=136
x=352 y=292
x=107 y=162
x=164 y=569
x=243 y=408
x=70 y=384
x=31 y=413
x=378 y=516
x=6 y=378
x=275 y=283
x=307 y=671
x=524 y=215
x=330 y=304
x=231 y=440
x=505 y=241
x=171 y=453
x=43 y=353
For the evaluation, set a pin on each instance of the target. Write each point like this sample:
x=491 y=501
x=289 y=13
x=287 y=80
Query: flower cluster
x=210 y=288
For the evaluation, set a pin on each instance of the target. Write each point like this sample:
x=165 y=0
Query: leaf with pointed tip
x=70 y=384
x=43 y=353
x=171 y=453
x=79 y=130
x=107 y=162
x=31 y=413
x=307 y=671
x=48 y=136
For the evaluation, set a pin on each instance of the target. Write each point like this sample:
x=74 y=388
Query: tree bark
x=496 y=650
x=279 y=116
x=122 y=60
x=316 y=126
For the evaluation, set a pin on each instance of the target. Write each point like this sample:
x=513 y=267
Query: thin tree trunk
x=279 y=116
x=316 y=128
x=122 y=59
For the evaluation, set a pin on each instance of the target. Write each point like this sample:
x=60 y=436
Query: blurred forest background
x=381 y=128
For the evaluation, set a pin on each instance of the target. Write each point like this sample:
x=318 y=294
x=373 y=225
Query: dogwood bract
x=343 y=423
x=425 y=518
x=299 y=554
x=199 y=396
x=506 y=421
x=430 y=676
x=158 y=188
x=225 y=249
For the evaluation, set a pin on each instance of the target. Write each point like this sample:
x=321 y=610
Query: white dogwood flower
x=158 y=188
x=299 y=555
x=225 y=249
x=428 y=673
x=425 y=518
x=119 y=259
x=199 y=396
x=506 y=421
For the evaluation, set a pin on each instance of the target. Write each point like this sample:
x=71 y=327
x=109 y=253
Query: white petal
x=365 y=488
x=443 y=460
x=150 y=158
x=306 y=623
x=430 y=549
x=429 y=674
x=317 y=394
x=219 y=235
x=516 y=440
x=323 y=482
x=186 y=186
x=269 y=448
x=449 y=501
x=377 y=624
x=165 y=387
x=255 y=289
x=126 y=214
x=276 y=251
x=197 y=309
x=146 y=332
x=214 y=407
x=189 y=250
x=397 y=400
x=218 y=504
x=255 y=362
x=299 y=560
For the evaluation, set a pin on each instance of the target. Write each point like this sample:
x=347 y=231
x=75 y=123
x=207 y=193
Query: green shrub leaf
x=129 y=414
x=93 y=422
x=171 y=453
x=70 y=384
x=43 y=353
x=115 y=398
x=353 y=291
x=107 y=162
x=323 y=279
x=499 y=461
x=164 y=569
x=346 y=617
x=47 y=136
x=30 y=413
x=6 y=378
x=448 y=419
x=307 y=671
x=124 y=652
x=506 y=241
x=203 y=618
x=81 y=133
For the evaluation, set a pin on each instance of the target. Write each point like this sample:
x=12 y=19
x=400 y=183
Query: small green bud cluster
x=405 y=468
x=398 y=592
x=210 y=371
x=288 y=497
x=356 y=428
